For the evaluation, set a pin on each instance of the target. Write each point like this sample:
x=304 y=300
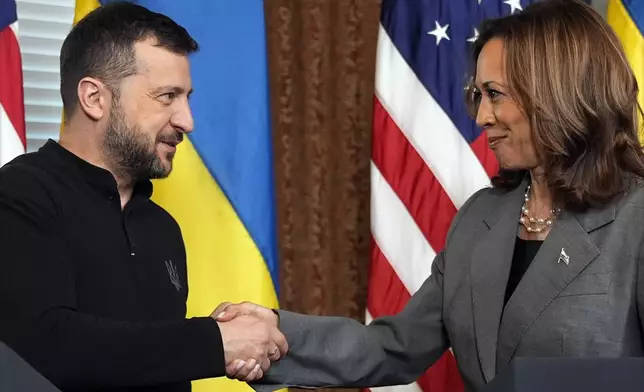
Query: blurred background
x=325 y=165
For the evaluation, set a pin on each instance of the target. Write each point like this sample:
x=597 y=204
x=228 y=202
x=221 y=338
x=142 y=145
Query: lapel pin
x=563 y=257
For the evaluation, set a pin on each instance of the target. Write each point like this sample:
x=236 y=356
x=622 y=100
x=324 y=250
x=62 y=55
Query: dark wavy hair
x=568 y=71
x=101 y=45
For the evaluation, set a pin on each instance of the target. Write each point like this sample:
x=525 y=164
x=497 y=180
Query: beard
x=132 y=152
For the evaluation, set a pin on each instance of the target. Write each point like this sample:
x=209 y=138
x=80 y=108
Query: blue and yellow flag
x=221 y=188
x=626 y=17
x=84 y=7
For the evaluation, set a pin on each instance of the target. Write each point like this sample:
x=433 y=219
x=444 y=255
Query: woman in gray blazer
x=547 y=262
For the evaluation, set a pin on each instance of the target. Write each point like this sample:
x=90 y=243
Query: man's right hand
x=250 y=344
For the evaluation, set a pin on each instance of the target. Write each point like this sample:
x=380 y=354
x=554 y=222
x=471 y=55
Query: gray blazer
x=588 y=307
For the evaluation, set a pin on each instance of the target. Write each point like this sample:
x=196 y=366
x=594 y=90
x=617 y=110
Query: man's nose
x=182 y=120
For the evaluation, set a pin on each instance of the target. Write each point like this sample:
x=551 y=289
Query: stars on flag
x=514 y=5
x=474 y=36
x=440 y=32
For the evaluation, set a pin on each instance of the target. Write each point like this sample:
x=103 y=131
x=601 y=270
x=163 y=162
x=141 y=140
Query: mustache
x=174 y=138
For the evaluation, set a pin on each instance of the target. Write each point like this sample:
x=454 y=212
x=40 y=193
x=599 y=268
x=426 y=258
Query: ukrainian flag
x=626 y=17
x=221 y=187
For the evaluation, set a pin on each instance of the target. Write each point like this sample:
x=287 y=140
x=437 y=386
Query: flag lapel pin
x=563 y=257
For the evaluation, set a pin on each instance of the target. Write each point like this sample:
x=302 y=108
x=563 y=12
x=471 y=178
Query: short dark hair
x=567 y=70
x=101 y=45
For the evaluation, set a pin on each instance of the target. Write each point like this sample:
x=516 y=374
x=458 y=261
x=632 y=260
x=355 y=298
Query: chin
x=505 y=163
x=160 y=173
x=166 y=169
x=165 y=159
x=509 y=166
x=161 y=168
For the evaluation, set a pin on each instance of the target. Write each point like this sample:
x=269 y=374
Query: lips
x=494 y=140
x=171 y=143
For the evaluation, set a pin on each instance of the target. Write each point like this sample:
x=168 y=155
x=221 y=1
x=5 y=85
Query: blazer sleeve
x=341 y=352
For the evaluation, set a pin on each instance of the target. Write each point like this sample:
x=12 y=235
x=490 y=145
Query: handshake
x=251 y=339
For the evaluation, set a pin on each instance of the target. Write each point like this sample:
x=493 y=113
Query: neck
x=84 y=144
x=540 y=196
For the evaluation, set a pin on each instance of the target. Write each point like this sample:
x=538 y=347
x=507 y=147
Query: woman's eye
x=493 y=94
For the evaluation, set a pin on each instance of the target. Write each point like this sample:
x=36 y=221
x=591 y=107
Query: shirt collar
x=98 y=178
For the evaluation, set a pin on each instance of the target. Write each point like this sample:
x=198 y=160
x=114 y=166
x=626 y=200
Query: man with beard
x=93 y=280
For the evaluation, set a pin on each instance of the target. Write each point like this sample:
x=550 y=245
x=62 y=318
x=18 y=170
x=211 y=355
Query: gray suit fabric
x=590 y=307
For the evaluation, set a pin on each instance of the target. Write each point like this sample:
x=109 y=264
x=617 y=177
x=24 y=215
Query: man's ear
x=93 y=98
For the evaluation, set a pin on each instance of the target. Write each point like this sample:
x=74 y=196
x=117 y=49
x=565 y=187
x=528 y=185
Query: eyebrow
x=175 y=89
x=487 y=84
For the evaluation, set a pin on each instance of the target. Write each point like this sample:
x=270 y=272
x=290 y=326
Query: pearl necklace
x=535 y=225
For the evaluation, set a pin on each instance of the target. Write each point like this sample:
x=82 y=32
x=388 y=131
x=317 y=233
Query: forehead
x=490 y=65
x=160 y=66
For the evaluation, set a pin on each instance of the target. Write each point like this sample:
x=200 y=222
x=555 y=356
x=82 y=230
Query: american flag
x=428 y=155
x=13 y=138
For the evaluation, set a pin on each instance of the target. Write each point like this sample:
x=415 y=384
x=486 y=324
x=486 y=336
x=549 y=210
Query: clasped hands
x=251 y=339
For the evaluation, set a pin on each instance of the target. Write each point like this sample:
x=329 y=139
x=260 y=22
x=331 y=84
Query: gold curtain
x=321 y=56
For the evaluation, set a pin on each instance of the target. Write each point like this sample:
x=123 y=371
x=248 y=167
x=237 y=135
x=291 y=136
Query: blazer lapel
x=547 y=275
x=490 y=268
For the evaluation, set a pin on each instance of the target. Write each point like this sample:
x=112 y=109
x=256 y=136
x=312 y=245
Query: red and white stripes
x=422 y=171
x=13 y=140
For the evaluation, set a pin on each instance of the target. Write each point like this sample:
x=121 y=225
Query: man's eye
x=168 y=97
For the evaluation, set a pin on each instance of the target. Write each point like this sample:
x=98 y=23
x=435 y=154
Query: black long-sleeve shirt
x=91 y=295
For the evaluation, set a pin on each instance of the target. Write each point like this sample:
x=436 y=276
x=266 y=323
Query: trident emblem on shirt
x=174 y=275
